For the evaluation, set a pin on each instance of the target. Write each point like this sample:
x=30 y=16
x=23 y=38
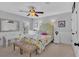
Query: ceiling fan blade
x=23 y=11
x=36 y=15
x=28 y=14
x=40 y=12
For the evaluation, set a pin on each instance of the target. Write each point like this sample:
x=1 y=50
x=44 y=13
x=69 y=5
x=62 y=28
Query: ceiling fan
x=32 y=11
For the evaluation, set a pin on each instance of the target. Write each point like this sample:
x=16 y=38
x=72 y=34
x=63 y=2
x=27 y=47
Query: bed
x=46 y=35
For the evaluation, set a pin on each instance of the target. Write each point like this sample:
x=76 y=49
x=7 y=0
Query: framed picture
x=61 y=23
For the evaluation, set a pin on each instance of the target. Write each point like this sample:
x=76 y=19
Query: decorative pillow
x=44 y=33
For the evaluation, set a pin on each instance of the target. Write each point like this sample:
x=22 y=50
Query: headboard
x=47 y=27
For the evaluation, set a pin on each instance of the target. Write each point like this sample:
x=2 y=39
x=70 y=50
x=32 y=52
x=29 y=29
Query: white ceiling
x=51 y=8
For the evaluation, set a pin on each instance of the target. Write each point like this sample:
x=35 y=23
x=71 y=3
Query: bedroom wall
x=20 y=19
x=64 y=35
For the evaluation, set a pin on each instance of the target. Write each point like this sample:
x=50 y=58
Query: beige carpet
x=52 y=50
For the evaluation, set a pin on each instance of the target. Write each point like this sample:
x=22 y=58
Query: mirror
x=8 y=25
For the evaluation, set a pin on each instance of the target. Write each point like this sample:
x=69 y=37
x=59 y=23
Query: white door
x=75 y=32
x=74 y=27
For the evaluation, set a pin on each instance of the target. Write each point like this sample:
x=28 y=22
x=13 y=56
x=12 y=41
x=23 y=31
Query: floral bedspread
x=39 y=43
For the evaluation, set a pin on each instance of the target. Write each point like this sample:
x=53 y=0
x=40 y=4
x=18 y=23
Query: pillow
x=44 y=33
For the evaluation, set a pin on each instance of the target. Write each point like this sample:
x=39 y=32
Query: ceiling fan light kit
x=33 y=12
